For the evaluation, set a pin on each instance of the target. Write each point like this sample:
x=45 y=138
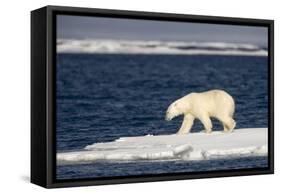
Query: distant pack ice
x=194 y=146
x=100 y=46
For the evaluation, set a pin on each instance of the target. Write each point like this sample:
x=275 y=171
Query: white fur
x=202 y=106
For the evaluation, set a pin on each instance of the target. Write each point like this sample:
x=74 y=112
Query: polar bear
x=213 y=103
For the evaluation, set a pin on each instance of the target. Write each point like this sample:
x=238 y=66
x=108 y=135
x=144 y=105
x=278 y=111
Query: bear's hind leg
x=225 y=129
x=207 y=123
x=228 y=124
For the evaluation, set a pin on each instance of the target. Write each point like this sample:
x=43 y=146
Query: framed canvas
x=125 y=96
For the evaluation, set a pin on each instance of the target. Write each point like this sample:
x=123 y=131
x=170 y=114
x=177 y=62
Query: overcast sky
x=81 y=27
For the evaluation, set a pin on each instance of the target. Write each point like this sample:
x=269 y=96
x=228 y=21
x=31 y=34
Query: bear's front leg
x=207 y=123
x=186 y=124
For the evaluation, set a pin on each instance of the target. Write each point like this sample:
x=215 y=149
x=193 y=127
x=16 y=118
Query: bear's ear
x=175 y=104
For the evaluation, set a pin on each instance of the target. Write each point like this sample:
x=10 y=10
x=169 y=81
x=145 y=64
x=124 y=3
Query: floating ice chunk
x=193 y=146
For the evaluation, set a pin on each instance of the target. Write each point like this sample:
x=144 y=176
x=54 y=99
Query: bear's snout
x=168 y=116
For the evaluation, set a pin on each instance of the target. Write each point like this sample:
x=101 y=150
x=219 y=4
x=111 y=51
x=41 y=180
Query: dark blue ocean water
x=103 y=97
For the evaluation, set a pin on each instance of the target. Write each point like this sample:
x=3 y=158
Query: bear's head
x=175 y=109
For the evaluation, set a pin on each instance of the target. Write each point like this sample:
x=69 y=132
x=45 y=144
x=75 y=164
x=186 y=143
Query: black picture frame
x=43 y=60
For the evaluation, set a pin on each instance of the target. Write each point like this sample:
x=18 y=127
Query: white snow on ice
x=157 y=47
x=193 y=146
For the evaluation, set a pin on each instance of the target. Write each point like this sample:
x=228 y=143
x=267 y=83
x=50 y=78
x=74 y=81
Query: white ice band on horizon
x=100 y=46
